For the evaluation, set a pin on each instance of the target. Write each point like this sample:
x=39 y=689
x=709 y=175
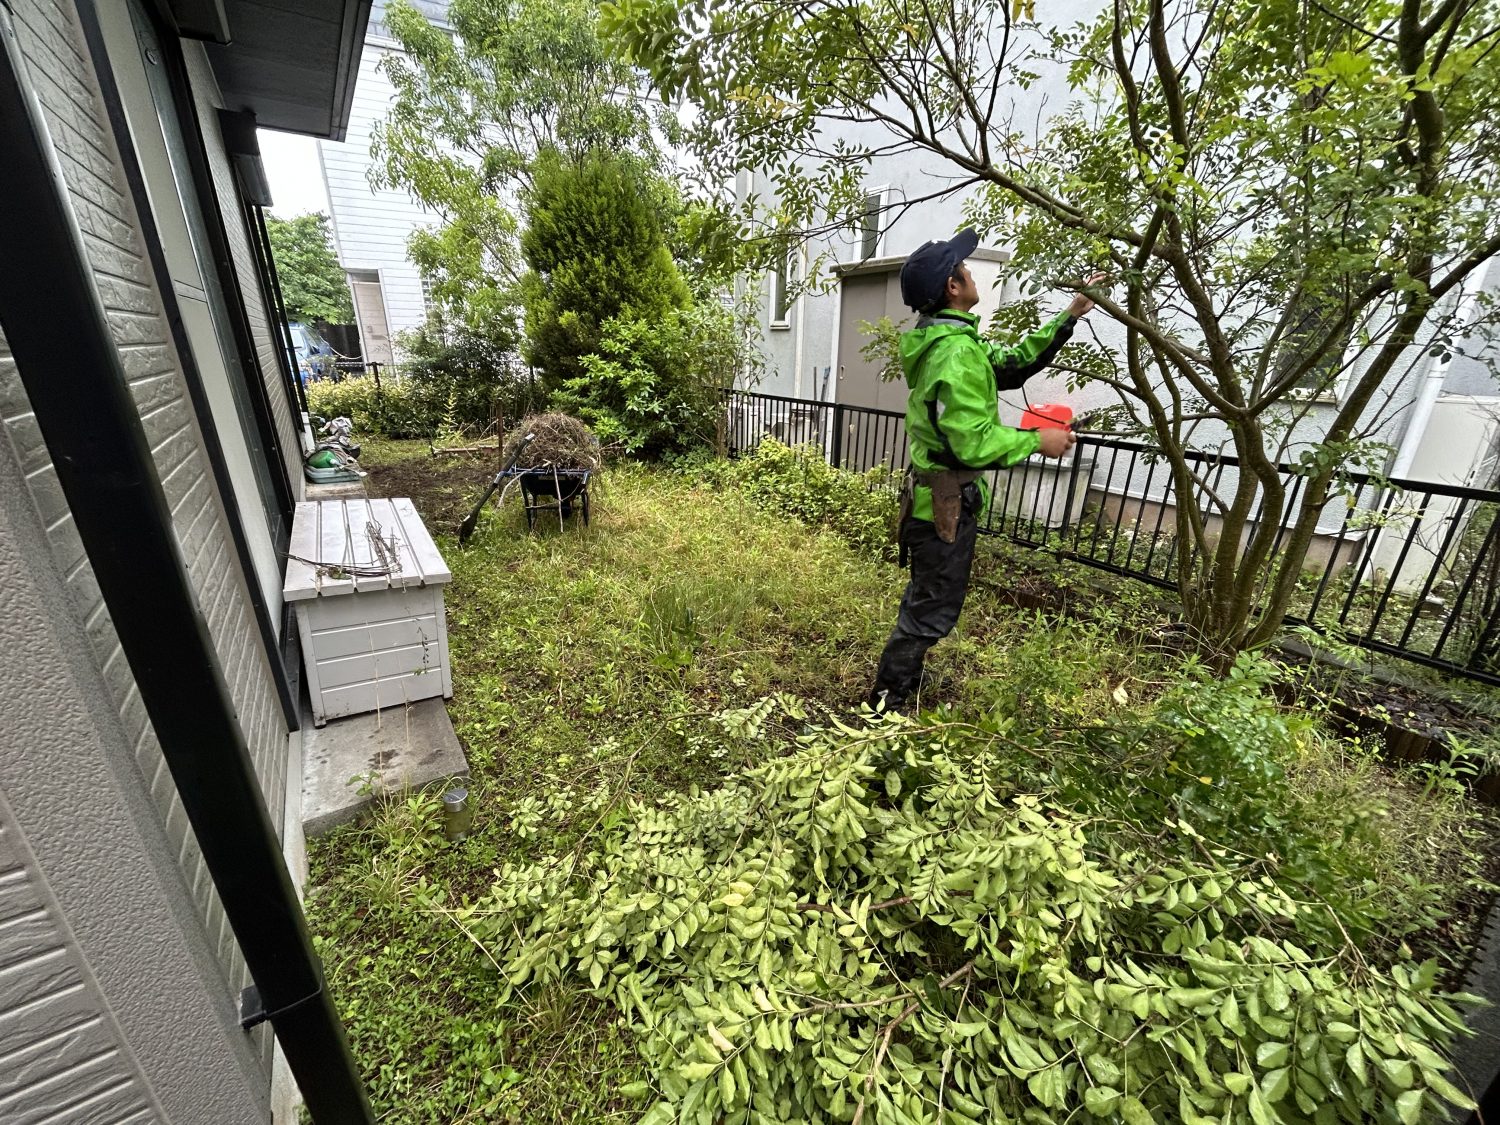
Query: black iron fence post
x=1067 y=513
x=379 y=397
x=836 y=455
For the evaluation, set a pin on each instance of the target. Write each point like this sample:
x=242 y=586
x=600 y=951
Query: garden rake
x=466 y=529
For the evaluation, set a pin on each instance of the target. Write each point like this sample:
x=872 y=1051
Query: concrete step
x=350 y=762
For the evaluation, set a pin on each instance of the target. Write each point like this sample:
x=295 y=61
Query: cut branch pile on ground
x=933 y=922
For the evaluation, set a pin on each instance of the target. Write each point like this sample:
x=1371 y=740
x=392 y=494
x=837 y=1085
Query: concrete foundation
x=344 y=490
x=351 y=761
x=1325 y=551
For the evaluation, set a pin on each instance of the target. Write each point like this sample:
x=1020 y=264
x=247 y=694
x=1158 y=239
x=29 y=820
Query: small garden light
x=457 y=815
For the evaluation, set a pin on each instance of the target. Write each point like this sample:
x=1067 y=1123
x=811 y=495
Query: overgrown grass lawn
x=580 y=656
x=592 y=661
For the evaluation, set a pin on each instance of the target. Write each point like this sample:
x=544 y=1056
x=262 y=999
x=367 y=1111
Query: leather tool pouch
x=947 y=504
x=908 y=497
x=947 y=487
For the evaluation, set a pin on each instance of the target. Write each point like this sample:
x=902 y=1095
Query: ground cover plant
x=1085 y=831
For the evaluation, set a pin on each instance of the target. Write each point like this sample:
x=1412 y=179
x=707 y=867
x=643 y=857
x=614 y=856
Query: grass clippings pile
x=558 y=441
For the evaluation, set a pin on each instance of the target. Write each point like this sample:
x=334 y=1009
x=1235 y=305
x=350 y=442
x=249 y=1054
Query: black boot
x=900 y=671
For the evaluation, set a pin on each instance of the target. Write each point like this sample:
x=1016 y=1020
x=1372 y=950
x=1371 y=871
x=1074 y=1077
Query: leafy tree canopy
x=312 y=282
x=474 y=106
x=470 y=266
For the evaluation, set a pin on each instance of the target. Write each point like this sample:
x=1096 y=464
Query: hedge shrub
x=392 y=411
x=860 y=507
x=410 y=407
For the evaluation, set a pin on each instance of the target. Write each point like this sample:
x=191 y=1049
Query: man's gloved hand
x=1082 y=304
x=1056 y=442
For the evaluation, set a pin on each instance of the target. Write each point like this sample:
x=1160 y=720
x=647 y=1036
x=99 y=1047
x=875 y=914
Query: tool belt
x=947 y=487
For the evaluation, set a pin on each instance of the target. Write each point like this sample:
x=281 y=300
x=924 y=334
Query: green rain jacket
x=953 y=413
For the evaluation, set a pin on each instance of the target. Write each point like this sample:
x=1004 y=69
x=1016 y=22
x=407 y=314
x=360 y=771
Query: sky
x=296 y=177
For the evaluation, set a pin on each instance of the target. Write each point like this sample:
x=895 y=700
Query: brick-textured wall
x=62 y=74
x=113 y=1006
x=206 y=94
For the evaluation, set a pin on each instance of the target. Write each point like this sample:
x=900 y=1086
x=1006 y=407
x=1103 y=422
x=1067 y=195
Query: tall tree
x=1291 y=194
x=312 y=282
x=475 y=103
x=469 y=265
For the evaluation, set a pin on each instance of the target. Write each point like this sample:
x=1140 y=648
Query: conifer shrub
x=610 y=323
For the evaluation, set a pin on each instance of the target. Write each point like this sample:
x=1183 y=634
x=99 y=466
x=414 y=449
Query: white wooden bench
x=367 y=583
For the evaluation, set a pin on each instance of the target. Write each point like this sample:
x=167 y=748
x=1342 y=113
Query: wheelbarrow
x=542 y=490
x=554 y=490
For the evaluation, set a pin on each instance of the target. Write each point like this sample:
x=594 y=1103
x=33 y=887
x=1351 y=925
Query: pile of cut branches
x=925 y=923
x=558 y=441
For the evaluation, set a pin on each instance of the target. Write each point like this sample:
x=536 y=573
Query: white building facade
x=371 y=226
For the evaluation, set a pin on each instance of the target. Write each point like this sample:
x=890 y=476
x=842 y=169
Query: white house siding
x=1472 y=376
x=60 y=1051
x=267 y=348
x=59 y=1046
x=796 y=366
x=62 y=75
x=1471 y=372
x=113 y=1006
x=370 y=227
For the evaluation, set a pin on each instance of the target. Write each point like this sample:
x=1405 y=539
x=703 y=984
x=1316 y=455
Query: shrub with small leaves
x=394 y=409
x=859 y=507
x=909 y=923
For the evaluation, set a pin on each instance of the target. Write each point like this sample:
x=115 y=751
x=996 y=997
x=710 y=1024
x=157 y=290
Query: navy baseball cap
x=924 y=277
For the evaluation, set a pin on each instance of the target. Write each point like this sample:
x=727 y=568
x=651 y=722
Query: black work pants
x=931 y=604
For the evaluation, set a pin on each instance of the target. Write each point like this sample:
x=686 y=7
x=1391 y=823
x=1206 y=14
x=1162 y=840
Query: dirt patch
x=1414 y=709
x=444 y=488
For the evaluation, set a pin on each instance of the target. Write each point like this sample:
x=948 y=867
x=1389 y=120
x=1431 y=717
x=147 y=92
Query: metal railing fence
x=1406 y=568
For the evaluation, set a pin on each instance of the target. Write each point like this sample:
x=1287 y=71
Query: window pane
x=780 y=301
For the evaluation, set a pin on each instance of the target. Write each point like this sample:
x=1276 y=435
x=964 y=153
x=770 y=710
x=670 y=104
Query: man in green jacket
x=953 y=425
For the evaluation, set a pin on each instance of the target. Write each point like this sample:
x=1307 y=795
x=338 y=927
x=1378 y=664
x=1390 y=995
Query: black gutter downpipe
x=55 y=325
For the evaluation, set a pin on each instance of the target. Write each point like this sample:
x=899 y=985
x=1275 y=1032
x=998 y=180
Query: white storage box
x=367 y=583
